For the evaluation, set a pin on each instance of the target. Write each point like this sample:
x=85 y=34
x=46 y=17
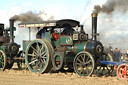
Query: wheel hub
x=83 y=64
x=124 y=72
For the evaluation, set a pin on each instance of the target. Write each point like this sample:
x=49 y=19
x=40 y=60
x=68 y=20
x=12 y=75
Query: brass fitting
x=94 y=14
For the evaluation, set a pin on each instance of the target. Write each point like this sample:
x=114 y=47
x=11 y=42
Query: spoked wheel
x=21 y=62
x=122 y=72
x=83 y=64
x=105 y=69
x=38 y=56
x=3 y=60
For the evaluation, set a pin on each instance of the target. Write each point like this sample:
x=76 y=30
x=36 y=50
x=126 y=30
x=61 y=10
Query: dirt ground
x=24 y=77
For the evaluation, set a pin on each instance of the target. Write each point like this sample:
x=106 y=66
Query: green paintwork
x=66 y=40
x=78 y=47
x=47 y=36
x=2 y=47
x=14 y=29
x=57 y=43
x=69 y=57
x=25 y=43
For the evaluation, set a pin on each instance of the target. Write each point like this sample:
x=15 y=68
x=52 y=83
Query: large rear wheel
x=38 y=56
x=83 y=64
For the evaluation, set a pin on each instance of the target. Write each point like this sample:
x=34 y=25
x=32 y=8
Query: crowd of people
x=118 y=56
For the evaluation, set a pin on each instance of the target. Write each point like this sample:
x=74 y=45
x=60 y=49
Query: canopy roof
x=51 y=23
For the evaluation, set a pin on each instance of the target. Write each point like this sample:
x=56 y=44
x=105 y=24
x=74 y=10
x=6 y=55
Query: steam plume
x=111 y=5
x=31 y=16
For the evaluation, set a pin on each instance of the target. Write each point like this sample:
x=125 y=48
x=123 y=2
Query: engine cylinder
x=93 y=47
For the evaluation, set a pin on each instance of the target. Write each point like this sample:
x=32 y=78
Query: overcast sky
x=73 y=9
x=112 y=28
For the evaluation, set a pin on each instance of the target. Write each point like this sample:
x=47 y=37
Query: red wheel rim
x=122 y=72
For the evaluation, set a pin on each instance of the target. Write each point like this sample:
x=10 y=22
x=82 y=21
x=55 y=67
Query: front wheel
x=83 y=64
x=104 y=69
x=3 y=60
x=122 y=72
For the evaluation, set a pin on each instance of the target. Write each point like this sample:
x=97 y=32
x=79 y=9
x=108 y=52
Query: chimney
x=81 y=29
x=94 y=26
x=11 y=30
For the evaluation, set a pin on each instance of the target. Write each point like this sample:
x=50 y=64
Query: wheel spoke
x=33 y=61
x=82 y=57
x=43 y=63
x=43 y=53
x=79 y=60
x=88 y=62
x=81 y=70
x=35 y=51
x=99 y=68
x=31 y=55
x=44 y=60
x=103 y=70
x=42 y=49
x=78 y=64
x=36 y=66
x=44 y=56
x=108 y=69
x=38 y=47
x=87 y=58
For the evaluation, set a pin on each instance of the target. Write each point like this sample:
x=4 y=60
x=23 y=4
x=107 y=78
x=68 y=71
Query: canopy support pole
x=29 y=34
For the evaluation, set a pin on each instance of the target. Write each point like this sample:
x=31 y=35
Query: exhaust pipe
x=11 y=30
x=81 y=29
x=94 y=26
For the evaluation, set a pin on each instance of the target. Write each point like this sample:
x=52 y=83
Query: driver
x=54 y=35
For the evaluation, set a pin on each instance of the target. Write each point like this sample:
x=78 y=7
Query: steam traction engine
x=62 y=44
x=8 y=48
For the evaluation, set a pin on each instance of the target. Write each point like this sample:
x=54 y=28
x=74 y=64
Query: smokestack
x=81 y=29
x=94 y=26
x=11 y=30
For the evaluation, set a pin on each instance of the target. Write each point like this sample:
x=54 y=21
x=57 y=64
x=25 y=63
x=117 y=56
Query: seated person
x=41 y=33
x=54 y=35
